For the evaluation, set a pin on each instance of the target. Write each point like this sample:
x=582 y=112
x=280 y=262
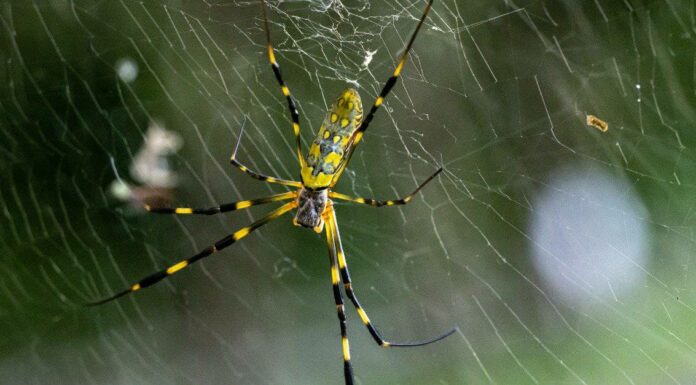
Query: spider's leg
x=345 y=275
x=294 y=115
x=256 y=175
x=218 y=246
x=380 y=203
x=358 y=134
x=264 y=178
x=340 y=308
x=223 y=208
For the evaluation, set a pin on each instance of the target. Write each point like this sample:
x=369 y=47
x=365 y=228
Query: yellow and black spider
x=329 y=154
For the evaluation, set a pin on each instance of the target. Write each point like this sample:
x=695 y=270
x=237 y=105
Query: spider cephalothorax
x=310 y=207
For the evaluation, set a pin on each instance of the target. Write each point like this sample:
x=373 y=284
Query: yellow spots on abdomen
x=329 y=148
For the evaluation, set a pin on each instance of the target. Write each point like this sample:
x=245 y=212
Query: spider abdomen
x=325 y=161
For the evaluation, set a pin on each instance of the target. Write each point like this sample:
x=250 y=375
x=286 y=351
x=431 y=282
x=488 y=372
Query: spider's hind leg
x=340 y=307
x=332 y=228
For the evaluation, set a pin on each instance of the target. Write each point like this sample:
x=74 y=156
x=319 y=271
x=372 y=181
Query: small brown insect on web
x=597 y=123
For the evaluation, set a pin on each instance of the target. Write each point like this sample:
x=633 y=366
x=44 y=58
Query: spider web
x=563 y=253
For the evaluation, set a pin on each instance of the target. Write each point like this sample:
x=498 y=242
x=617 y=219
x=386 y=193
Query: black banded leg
x=332 y=228
x=256 y=175
x=380 y=203
x=340 y=308
x=392 y=80
x=223 y=208
x=358 y=134
x=218 y=246
x=294 y=115
x=264 y=178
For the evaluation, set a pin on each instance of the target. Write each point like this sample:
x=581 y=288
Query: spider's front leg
x=294 y=114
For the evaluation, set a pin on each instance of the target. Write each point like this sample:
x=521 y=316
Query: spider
x=329 y=154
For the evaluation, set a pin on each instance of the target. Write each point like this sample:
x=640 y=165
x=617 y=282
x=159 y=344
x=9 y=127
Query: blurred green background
x=564 y=254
